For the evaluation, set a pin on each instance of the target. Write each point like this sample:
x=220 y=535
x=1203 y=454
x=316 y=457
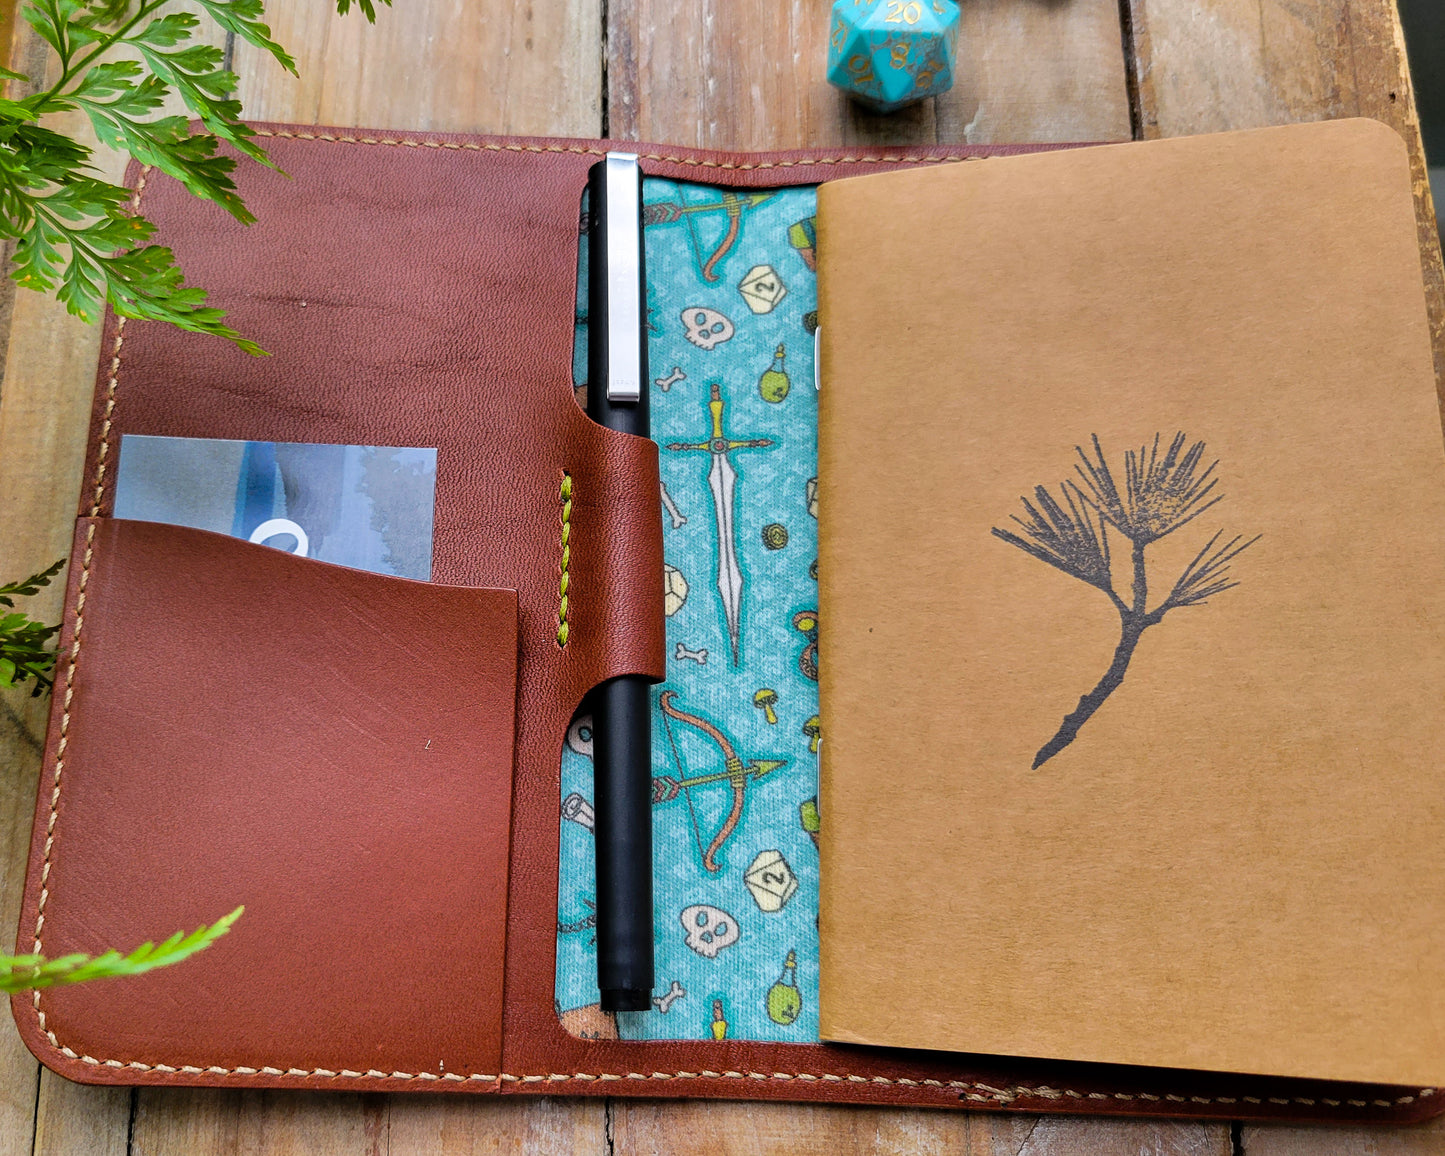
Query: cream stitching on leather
x=695 y=162
x=565 y=495
x=105 y=419
x=974 y=1092
x=100 y=462
x=966 y=1090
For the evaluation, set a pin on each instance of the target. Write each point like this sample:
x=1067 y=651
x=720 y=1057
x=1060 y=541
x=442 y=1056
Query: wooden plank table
x=725 y=73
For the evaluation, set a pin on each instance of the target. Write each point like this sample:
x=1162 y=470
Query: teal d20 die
x=889 y=53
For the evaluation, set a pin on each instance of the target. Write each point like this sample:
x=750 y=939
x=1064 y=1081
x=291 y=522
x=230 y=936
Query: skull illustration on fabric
x=709 y=929
x=706 y=327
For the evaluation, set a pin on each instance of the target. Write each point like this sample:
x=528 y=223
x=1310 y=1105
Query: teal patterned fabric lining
x=732 y=305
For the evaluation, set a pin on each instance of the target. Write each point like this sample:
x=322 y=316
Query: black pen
x=621 y=707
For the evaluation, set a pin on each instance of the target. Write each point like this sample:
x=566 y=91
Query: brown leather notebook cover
x=412 y=289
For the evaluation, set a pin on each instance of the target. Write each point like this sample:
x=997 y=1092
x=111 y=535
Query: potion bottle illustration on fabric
x=775 y=383
x=785 y=1001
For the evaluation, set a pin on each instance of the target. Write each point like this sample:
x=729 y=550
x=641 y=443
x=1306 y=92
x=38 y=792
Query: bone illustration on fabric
x=679 y=520
x=683 y=654
x=732 y=797
x=663 y=1003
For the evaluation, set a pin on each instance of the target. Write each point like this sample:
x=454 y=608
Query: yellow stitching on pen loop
x=564 y=582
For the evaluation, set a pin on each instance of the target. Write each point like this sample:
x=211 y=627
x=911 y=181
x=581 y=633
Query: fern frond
x=23 y=650
x=25 y=972
x=28 y=586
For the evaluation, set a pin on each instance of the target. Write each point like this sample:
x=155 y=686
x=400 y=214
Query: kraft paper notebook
x=395 y=775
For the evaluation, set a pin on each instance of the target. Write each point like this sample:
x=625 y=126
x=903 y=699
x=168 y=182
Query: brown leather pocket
x=331 y=748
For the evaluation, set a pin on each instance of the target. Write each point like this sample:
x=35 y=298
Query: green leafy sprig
x=23 y=972
x=79 y=236
x=23 y=654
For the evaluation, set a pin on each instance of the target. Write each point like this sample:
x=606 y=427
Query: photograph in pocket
x=370 y=507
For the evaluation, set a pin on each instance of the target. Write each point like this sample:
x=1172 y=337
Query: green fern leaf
x=25 y=972
x=243 y=17
x=368 y=8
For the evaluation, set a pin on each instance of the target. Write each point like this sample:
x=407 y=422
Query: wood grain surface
x=1231 y=64
x=727 y=73
x=750 y=74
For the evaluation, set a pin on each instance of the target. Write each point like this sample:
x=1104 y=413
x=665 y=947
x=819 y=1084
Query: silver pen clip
x=623 y=178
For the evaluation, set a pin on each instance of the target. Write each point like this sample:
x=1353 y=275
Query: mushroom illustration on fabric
x=764 y=701
x=1161 y=493
x=813 y=728
x=806 y=623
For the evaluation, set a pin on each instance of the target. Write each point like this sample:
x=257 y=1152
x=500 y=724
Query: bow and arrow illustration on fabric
x=731 y=205
x=736 y=773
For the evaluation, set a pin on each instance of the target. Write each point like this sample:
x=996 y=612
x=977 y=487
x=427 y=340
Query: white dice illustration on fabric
x=770 y=881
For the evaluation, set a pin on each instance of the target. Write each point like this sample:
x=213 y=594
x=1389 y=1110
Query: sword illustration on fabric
x=722 y=481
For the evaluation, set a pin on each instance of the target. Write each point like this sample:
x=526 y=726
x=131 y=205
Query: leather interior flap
x=329 y=747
